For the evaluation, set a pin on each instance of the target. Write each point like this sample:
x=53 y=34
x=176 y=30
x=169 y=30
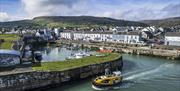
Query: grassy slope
x=83 y=21
x=8 y=38
x=70 y=21
x=169 y=22
x=62 y=65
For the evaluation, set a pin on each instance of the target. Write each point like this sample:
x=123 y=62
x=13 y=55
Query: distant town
x=128 y=35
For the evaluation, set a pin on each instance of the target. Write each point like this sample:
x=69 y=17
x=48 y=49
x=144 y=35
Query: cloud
x=172 y=10
x=149 y=12
x=119 y=9
x=4 y=17
x=51 y=7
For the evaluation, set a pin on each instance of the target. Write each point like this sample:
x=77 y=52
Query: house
x=9 y=58
x=132 y=38
x=120 y=38
x=57 y=32
x=66 y=35
x=41 y=34
x=98 y=36
x=146 y=35
x=93 y=36
x=47 y=35
x=127 y=37
x=172 y=38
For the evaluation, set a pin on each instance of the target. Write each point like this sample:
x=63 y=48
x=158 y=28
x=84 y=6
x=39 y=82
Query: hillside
x=84 y=21
x=169 y=22
x=22 y=23
x=71 y=21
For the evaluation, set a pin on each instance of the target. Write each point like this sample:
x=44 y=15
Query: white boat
x=78 y=55
x=81 y=55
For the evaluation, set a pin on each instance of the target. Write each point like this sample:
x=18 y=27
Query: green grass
x=74 y=63
x=8 y=38
x=6 y=45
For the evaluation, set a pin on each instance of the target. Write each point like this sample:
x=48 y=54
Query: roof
x=148 y=33
x=94 y=32
x=173 y=34
x=11 y=52
x=103 y=32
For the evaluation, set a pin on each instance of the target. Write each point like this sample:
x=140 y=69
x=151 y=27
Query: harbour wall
x=38 y=80
x=131 y=49
x=168 y=54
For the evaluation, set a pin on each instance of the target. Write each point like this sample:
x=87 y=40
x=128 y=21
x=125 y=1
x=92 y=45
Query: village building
x=120 y=37
x=127 y=37
x=172 y=38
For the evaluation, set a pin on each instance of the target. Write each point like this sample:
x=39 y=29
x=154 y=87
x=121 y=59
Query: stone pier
x=37 y=79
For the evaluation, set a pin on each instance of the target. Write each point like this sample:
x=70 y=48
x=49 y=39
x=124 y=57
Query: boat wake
x=148 y=72
x=125 y=84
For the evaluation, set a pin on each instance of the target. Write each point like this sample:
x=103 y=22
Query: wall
x=170 y=54
x=172 y=40
x=7 y=60
x=32 y=80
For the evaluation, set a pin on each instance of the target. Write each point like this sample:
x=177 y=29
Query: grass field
x=8 y=38
x=68 y=64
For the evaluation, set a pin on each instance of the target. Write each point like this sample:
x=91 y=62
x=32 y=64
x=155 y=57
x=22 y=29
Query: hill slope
x=72 y=21
x=84 y=21
x=169 y=22
x=22 y=23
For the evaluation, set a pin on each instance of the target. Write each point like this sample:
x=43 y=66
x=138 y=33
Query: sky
x=134 y=10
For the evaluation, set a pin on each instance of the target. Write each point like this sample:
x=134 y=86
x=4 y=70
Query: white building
x=129 y=37
x=66 y=35
x=86 y=36
x=172 y=38
x=56 y=31
x=123 y=37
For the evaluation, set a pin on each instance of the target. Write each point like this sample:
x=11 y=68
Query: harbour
x=140 y=72
x=89 y=45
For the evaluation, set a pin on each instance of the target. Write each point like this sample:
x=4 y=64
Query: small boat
x=81 y=55
x=107 y=80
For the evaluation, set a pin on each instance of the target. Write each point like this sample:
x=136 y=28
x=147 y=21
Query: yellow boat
x=108 y=80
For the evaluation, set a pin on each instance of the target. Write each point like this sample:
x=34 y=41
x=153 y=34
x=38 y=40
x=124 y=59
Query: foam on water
x=149 y=72
x=125 y=84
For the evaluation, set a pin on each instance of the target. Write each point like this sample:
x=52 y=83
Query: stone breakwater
x=37 y=79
